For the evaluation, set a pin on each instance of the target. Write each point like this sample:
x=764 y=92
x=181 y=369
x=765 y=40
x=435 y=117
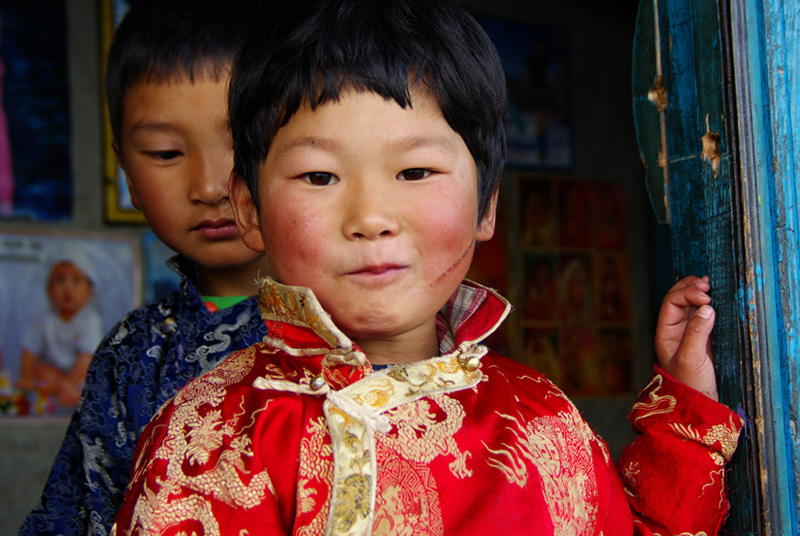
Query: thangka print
x=574 y=300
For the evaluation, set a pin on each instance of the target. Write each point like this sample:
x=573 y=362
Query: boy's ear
x=486 y=225
x=246 y=214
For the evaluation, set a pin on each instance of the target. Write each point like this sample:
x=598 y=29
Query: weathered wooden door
x=716 y=94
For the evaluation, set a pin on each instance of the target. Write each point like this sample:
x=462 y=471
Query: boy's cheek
x=293 y=243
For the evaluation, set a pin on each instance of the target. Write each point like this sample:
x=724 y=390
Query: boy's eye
x=165 y=155
x=413 y=174
x=321 y=178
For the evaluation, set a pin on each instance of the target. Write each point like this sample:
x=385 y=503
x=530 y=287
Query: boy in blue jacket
x=168 y=70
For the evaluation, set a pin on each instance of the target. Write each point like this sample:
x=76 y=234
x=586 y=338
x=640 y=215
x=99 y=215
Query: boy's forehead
x=418 y=97
x=360 y=104
x=207 y=70
x=174 y=105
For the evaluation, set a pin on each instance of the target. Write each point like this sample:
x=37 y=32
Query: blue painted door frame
x=765 y=38
x=714 y=85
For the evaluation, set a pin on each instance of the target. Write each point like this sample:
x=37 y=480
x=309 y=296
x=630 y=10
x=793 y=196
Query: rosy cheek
x=452 y=228
x=450 y=247
x=293 y=243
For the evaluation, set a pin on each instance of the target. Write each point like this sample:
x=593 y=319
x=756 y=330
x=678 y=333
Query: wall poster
x=58 y=286
x=35 y=160
x=561 y=258
x=538 y=66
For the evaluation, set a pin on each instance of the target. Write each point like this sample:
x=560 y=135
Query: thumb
x=692 y=363
x=698 y=331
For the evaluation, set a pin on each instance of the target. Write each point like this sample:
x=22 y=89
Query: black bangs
x=311 y=51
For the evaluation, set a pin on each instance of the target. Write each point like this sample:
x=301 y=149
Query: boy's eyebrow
x=311 y=142
x=401 y=144
x=421 y=142
x=146 y=125
x=152 y=126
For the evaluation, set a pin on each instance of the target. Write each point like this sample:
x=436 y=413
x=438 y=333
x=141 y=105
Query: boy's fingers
x=691 y=282
x=685 y=297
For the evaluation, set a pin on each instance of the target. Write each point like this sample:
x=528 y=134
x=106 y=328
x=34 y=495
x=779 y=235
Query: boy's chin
x=236 y=258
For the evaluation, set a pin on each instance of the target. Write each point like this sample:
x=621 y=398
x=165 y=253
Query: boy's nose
x=208 y=183
x=369 y=214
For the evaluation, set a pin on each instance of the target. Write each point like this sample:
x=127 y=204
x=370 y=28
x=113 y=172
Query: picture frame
x=36 y=179
x=118 y=205
x=537 y=61
x=27 y=260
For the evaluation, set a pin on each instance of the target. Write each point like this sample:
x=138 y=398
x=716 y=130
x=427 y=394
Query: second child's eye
x=321 y=178
x=413 y=174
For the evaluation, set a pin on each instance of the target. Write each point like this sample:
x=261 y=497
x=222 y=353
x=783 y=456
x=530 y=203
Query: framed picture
x=118 y=205
x=538 y=66
x=57 y=283
x=569 y=281
x=36 y=180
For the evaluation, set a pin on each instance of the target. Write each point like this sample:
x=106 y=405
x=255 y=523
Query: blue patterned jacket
x=139 y=365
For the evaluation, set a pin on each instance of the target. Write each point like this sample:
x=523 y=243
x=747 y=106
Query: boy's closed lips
x=378 y=273
x=217 y=229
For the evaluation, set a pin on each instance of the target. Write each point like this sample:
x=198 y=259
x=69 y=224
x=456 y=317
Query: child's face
x=372 y=206
x=177 y=156
x=69 y=289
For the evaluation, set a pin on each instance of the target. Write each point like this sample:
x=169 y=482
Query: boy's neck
x=422 y=343
x=237 y=281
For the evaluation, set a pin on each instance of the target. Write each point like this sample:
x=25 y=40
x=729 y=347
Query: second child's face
x=372 y=206
x=69 y=289
x=177 y=155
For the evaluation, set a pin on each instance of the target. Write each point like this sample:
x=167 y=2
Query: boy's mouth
x=217 y=229
x=378 y=272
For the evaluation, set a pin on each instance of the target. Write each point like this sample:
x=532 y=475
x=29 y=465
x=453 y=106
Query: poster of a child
x=58 y=346
x=60 y=291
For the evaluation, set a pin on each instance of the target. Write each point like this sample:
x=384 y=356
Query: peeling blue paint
x=757 y=337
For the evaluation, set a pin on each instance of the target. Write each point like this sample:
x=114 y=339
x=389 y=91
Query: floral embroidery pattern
x=353 y=473
x=394 y=396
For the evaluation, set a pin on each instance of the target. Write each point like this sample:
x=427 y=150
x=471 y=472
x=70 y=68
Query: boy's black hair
x=166 y=40
x=312 y=50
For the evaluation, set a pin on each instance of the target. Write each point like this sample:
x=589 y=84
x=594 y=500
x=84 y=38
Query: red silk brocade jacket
x=298 y=435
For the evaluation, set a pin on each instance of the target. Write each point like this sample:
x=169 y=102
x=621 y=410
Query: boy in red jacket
x=368 y=148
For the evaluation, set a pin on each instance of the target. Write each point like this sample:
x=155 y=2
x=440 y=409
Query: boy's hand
x=683 y=335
